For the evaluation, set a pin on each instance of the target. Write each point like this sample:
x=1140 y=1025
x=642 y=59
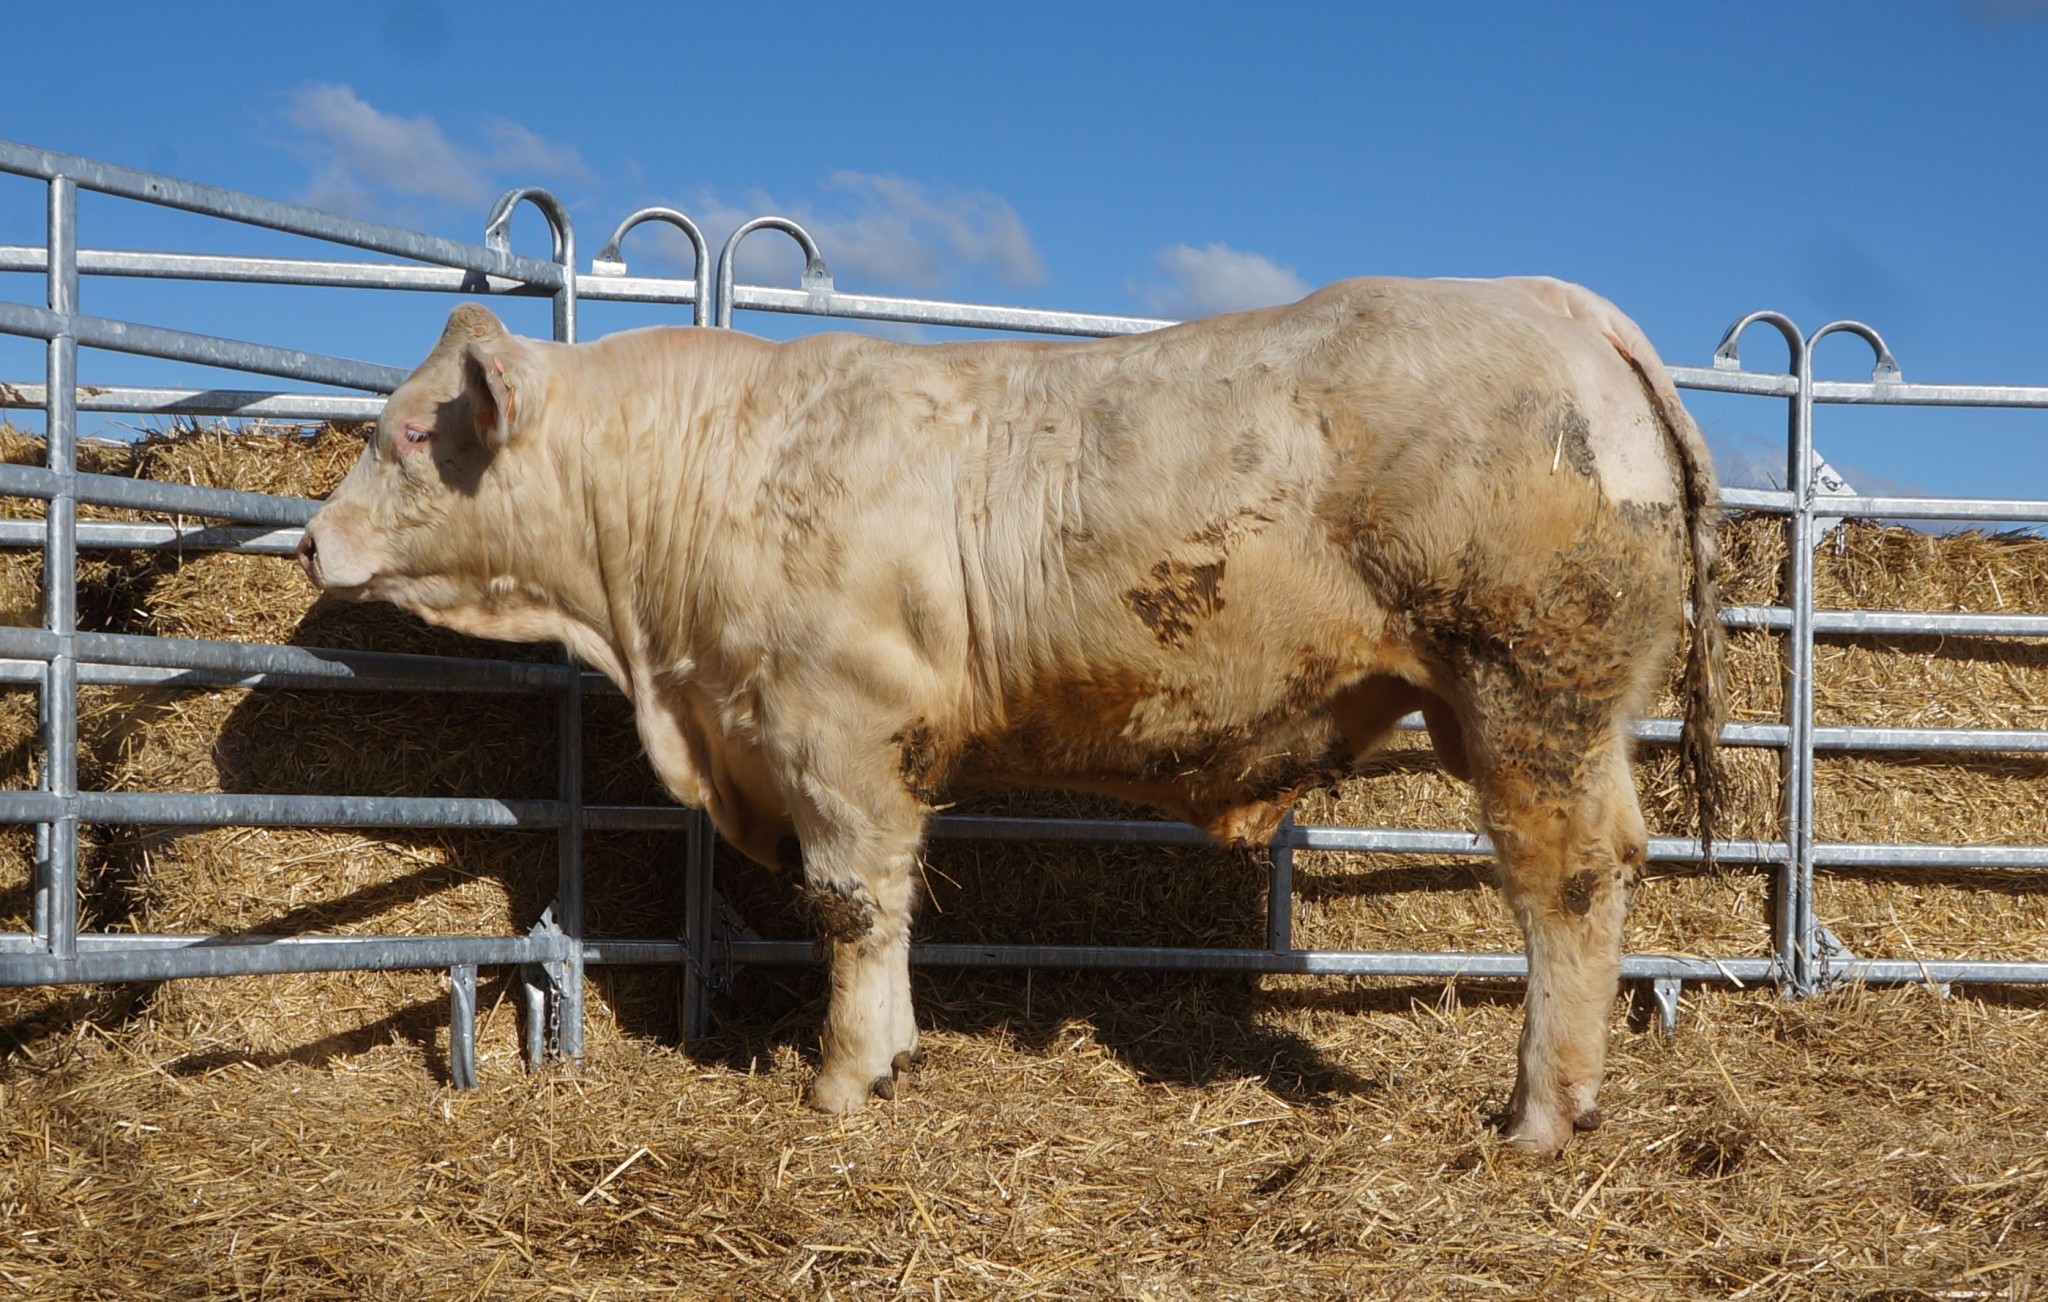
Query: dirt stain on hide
x=918 y=747
x=1179 y=595
x=1553 y=652
x=837 y=913
x=1224 y=534
x=1577 y=892
x=1569 y=431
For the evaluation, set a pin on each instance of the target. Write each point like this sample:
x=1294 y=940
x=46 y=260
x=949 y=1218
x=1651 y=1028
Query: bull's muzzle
x=309 y=557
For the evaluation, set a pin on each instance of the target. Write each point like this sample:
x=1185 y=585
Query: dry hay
x=1134 y=1137
x=1073 y=1135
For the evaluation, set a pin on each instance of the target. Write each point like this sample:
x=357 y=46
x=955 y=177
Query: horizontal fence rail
x=1795 y=951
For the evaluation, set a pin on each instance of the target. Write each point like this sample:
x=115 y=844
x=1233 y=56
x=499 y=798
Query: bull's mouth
x=354 y=592
x=327 y=588
x=312 y=565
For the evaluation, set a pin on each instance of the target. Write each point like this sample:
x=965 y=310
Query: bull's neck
x=642 y=481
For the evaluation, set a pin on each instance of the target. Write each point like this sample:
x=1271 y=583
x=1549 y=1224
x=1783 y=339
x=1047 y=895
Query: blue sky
x=1886 y=160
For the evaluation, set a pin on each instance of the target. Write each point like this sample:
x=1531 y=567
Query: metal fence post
x=565 y=996
x=1817 y=947
x=56 y=892
x=1791 y=911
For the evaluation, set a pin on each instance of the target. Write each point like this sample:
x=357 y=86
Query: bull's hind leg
x=860 y=834
x=1561 y=808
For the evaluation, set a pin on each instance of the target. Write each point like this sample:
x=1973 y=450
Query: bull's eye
x=414 y=434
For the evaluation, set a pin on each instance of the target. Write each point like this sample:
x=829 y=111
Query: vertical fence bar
x=56 y=893
x=697 y=933
x=569 y=844
x=1280 y=888
x=569 y=707
x=1790 y=909
x=698 y=891
x=462 y=1026
x=1799 y=679
x=565 y=999
x=1816 y=944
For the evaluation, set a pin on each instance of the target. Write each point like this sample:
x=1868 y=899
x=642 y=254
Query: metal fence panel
x=57 y=658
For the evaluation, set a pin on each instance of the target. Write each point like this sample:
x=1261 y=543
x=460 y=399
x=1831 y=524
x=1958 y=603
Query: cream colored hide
x=1201 y=568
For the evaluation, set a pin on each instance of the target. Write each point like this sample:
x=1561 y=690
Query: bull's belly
x=1231 y=763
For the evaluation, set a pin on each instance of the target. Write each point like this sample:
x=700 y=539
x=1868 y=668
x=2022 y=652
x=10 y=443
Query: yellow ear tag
x=511 y=390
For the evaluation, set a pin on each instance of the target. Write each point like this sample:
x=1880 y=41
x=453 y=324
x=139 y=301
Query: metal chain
x=551 y=1046
x=718 y=978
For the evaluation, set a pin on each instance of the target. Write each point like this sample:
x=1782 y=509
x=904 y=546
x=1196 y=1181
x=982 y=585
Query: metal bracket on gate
x=1665 y=993
x=541 y=988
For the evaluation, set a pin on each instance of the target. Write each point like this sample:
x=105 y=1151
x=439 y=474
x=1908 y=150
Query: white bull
x=1201 y=568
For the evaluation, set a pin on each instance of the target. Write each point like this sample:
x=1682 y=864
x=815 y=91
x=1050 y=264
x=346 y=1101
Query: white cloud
x=2002 y=13
x=363 y=158
x=876 y=232
x=1743 y=459
x=909 y=233
x=517 y=152
x=1218 y=278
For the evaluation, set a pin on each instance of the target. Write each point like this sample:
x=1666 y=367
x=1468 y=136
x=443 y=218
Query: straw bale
x=1933 y=682
x=1928 y=682
x=1868 y=566
x=1921 y=913
x=261 y=881
x=1753 y=554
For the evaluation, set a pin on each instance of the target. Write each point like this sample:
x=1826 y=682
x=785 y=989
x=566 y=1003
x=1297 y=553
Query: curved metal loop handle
x=610 y=262
x=816 y=280
x=1727 y=358
x=1884 y=370
x=498 y=236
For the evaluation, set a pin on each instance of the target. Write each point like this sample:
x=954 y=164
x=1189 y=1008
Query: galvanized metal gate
x=58 y=658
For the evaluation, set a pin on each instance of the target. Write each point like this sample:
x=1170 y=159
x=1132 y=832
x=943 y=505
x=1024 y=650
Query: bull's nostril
x=308 y=550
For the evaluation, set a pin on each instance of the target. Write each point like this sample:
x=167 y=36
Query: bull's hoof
x=902 y=1065
x=839 y=1094
x=1538 y=1136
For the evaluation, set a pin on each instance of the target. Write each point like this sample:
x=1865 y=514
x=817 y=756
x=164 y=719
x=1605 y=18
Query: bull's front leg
x=860 y=840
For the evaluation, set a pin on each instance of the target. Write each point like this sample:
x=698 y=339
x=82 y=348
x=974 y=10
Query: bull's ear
x=502 y=378
x=470 y=321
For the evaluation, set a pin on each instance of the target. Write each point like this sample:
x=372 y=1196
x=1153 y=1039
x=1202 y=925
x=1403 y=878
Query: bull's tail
x=1703 y=685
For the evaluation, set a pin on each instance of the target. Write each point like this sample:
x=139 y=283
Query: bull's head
x=421 y=521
